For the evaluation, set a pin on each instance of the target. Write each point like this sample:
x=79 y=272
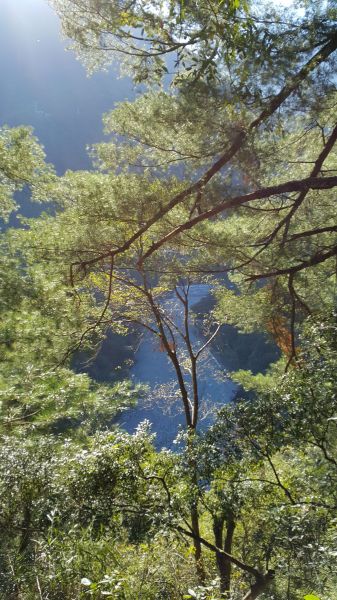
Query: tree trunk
x=197 y=544
x=223 y=564
x=228 y=548
x=25 y=537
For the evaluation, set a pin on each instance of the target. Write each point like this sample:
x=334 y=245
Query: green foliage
x=147 y=32
x=279 y=453
x=76 y=514
x=38 y=390
x=22 y=162
x=86 y=509
x=203 y=40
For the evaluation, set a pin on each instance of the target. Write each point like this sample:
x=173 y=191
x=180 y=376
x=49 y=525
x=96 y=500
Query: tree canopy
x=222 y=172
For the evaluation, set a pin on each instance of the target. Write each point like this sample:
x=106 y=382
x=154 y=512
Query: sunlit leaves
x=22 y=162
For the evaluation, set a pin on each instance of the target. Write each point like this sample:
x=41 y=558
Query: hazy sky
x=45 y=86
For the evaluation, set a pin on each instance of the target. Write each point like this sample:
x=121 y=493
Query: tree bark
x=228 y=548
x=25 y=537
x=262 y=580
x=197 y=544
x=223 y=563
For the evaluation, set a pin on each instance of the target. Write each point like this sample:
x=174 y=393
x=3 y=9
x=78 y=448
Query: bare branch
x=314 y=260
x=210 y=339
x=314 y=173
x=317 y=183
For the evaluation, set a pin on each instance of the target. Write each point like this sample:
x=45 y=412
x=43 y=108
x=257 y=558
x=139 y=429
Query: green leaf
x=311 y=597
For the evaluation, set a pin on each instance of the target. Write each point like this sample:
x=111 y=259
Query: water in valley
x=163 y=406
